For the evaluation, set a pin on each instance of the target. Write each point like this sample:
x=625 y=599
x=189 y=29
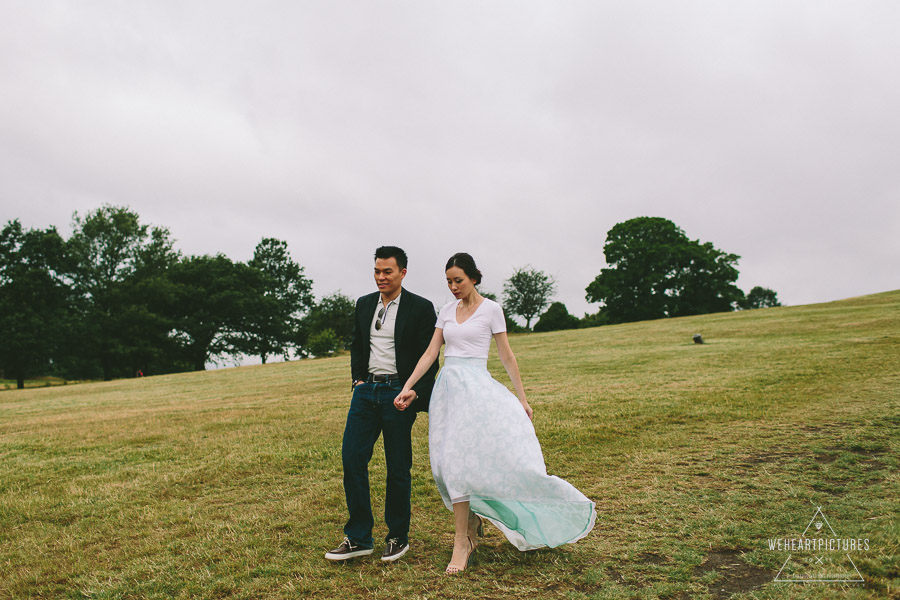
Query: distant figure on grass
x=391 y=330
x=485 y=456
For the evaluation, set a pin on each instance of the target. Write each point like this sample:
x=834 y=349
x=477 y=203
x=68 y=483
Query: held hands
x=404 y=399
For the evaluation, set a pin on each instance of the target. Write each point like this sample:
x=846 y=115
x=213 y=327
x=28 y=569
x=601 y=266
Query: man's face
x=388 y=276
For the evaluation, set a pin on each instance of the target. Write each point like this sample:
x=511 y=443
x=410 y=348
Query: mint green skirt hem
x=533 y=525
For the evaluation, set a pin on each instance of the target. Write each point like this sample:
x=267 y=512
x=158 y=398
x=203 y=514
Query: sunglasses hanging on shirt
x=382 y=316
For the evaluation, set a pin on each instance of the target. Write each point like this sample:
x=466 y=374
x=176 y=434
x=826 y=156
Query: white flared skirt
x=484 y=450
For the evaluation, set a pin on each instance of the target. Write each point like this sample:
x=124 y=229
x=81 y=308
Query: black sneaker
x=346 y=550
x=394 y=550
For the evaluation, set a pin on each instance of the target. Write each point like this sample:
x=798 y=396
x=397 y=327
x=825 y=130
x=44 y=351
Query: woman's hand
x=404 y=399
x=527 y=408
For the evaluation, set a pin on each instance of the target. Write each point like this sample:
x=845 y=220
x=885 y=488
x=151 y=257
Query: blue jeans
x=372 y=413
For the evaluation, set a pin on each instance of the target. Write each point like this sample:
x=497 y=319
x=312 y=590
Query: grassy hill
x=227 y=484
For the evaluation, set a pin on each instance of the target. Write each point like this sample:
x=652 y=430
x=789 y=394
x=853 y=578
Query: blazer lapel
x=402 y=316
x=367 y=314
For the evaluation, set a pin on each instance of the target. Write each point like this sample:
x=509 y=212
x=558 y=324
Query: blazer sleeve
x=425 y=322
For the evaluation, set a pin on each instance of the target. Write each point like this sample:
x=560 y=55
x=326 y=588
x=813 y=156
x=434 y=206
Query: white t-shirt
x=382 y=358
x=472 y=338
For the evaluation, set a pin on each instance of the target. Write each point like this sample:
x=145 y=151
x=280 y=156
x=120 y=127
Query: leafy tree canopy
x=760 y=297
x=527 y=293
x=110 y=244
x=34 y=299
x=324 y=342
x=557 y=317
x=115 y=262
x=285 y=296
x=212 y=298
x=334 y=312
x=655 y=271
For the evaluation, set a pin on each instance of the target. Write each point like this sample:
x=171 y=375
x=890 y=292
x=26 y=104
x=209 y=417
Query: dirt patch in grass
x=857 y=450
x=830 y=488
x=736 y=576
x=825 y=459
x=871 y=464
x=648 y=558
x=768 y=457
x=811 y=428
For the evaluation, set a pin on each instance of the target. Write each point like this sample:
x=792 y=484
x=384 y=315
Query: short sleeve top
x=472 y=337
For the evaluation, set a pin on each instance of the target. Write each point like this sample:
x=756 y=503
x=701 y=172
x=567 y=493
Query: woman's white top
x=471 y=338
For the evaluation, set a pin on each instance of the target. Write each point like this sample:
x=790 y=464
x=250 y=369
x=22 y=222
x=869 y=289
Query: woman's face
x=459 y=283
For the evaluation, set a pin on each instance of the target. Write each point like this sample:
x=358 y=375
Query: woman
x=485 y=456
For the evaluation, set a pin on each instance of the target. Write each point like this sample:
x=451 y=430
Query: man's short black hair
x=392 y=252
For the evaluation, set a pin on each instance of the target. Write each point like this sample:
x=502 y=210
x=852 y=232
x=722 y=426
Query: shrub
x=324 y=343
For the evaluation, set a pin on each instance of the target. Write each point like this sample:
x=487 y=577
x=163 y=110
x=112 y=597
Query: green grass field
x=227 y=484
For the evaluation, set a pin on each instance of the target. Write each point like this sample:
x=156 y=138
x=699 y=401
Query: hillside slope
x=227 y=484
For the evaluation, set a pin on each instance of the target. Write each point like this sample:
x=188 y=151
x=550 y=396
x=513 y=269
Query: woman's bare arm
x=512 y=369
x=407 y=394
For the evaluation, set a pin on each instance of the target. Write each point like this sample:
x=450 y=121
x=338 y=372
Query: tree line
x=654 y=271
x=116 y=299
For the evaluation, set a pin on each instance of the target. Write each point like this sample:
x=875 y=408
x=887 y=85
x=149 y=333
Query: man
x=391 y=330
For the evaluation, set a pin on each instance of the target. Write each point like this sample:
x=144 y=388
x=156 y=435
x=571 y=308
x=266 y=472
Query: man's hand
x=404 y=399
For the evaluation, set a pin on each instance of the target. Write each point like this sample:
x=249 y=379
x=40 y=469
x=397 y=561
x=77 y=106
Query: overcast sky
x=518 y=131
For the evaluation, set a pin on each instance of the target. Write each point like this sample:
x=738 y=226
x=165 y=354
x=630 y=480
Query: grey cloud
x=519 y=131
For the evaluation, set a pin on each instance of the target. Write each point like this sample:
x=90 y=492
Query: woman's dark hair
x=464 y=261
x=394 y=252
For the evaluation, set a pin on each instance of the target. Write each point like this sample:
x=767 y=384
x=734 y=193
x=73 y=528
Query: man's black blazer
x=413 y=331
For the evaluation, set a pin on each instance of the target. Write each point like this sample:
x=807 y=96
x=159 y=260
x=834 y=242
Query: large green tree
x=655 y=271
x=113 y=260
x=211 y=300
x=285 y=297
x=527 y=293
x=34 y=300
x=148 y=297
